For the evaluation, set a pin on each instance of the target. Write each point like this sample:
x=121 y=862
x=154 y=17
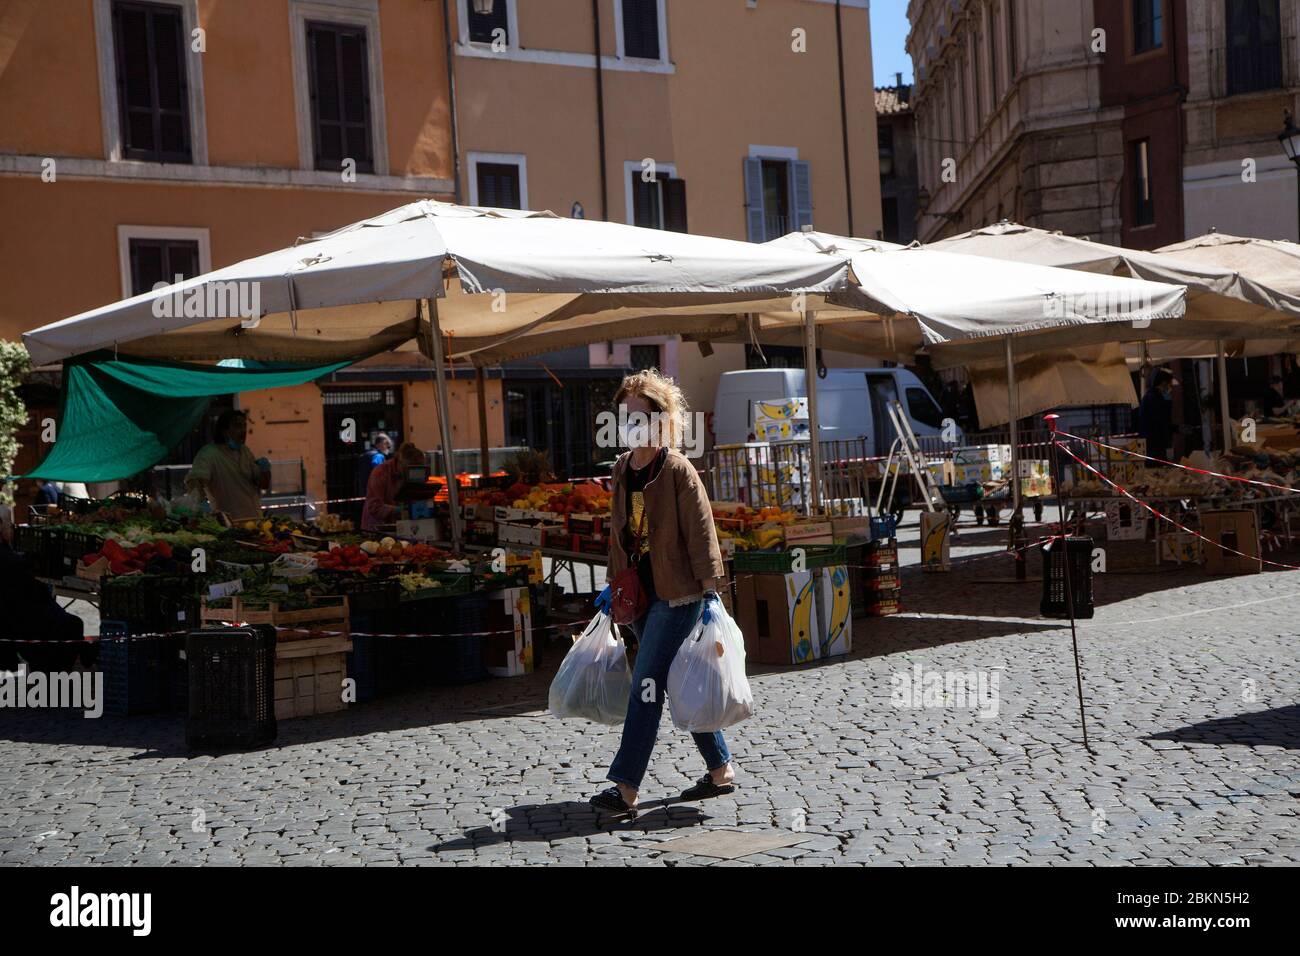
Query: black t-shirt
x=635 y=480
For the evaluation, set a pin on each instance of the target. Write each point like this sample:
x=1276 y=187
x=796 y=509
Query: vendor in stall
x=1155 y=414
x=385 y=482
x=225 y=472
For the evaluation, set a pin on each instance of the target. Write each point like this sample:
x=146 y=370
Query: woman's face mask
x=634 y=436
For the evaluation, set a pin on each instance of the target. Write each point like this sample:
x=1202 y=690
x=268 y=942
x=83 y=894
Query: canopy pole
x=444 y=422
x=1222 y=375
x=1013 y=414
x=481 y=387
x=810 y=386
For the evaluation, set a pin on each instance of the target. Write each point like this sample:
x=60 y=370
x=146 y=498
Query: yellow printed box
x=795 y=618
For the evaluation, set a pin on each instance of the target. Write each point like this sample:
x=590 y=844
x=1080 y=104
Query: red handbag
x=628 y=601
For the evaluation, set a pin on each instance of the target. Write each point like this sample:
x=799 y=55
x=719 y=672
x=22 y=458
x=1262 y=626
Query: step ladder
x=906 y=450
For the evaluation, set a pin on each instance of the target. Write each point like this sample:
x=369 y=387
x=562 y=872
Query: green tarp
x=122 y=416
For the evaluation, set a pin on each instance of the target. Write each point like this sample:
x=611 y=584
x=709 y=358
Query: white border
x=361 y=13
x=110 y=116
x=473 y=158
x=512 y=28
x=619 y=50
x=631 y=166
x=126 y=233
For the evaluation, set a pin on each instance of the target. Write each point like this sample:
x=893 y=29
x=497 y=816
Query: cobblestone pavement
x=1191 y=691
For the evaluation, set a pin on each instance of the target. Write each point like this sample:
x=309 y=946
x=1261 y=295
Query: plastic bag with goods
x=594 y=679
x=707 y=686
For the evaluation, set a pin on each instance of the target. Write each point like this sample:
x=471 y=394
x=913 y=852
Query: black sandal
x=706 y=788
x=611 y=801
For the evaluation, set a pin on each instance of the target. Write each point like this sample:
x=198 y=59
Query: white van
x=850 y=403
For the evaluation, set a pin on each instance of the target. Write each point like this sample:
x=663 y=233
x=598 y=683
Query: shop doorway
x=372 y=410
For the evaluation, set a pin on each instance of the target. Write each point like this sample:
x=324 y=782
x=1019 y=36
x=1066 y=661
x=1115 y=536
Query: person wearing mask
x=661 y=524
x=381 y=447
x=385 y=482
x=225 y=472
x=1155 y=414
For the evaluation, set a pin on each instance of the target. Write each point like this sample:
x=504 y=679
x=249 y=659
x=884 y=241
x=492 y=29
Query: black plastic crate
x=371 y=594
x=231 y=687
x=1064 y=557
x=43 y=546
x=457 y=653
x=75 y=545
x=134 y=669
x=152 y=602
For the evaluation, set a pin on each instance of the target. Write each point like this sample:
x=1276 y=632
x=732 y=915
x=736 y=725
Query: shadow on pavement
x=552 y=821
x=1279 y=727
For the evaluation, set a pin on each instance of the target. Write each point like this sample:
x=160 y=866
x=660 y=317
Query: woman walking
x=663 y=526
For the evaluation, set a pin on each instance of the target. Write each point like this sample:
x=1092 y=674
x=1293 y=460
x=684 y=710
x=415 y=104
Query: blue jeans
x=660 y=633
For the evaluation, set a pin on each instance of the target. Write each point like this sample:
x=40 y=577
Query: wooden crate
x=309 y=677
x=329 y=613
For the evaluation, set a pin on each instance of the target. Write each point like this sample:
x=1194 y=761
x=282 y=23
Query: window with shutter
x=161 y=260
x=803 y=202
x=1254 y=53
x=641 y=29
x=339 y=76
x=754 y=215
x=483 y=27
x=152 y=90
x=1148 y=25
x=647 y=202
x=498 y=185
x=674 y=196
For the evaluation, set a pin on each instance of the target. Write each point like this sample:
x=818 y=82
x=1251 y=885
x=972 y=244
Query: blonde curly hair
x=663 y=395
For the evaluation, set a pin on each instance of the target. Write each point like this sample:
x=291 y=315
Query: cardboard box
x=423 y=529
x=1034 y=468
x=980 y=455
x=1238 y=530
x=936 y=532
x=781 y=419
x=1035 y=487
x=309 y=677
x=850 y=529
x=1126 y=521
x=1180 y=547
x=795 y=618
x=980 y=473
x=530 y=535
x=510 y=653
x=809 y=532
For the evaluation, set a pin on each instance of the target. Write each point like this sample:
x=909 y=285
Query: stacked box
x=509 y=652
x=1035 y=487
x=809 y=532
x=781 y=419
x=797 y=617
x=980 y=463
x=1125 y=521
x=1237 y=530
x=1180 y=547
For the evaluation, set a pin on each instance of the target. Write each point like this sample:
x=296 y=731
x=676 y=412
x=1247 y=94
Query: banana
x=838 y=626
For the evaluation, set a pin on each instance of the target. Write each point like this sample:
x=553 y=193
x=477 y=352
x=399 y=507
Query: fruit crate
x=75 y=545
x=44 y=546
x=371 y=594
x=782 y=562
x=230 y=673
x=152 y=602
x=327 y=613
x=309 y=676
x=450 y=584
x=882 y=603
x=134 y=669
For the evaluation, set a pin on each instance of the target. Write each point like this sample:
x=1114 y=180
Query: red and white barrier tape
x=1174 y=464
x=1181 y=527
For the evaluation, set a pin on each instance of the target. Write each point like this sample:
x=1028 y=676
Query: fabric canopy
x=122 y=416
x=492 y=274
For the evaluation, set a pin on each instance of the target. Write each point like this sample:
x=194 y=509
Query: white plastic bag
x=594 y=679
x=707 y=686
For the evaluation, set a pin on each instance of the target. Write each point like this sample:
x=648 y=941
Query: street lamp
x=1290 y=140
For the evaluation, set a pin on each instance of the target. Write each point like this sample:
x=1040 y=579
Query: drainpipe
x=844 y=117
x=600 y=113
x=451 y=100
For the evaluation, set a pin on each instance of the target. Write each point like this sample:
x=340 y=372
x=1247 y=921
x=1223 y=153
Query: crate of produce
x=434 y=584
x=231 y=678
x=965 y=494
x=309 y=676
x=152 y=602
x=292 y=623
x=782 y=561
x=75 y=545
x=370 y=594
x=1067 y=559
x=134 y=669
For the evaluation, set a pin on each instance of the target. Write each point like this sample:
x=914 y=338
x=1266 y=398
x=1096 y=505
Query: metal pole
x=810 y=386
x=444 y=421
x=480 y=381
x=1063 y=541
x=1222 y=375
x=1013 y=410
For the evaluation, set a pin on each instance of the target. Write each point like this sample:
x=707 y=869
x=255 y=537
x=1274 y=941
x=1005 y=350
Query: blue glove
x=710 y=596
x=604 y=600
